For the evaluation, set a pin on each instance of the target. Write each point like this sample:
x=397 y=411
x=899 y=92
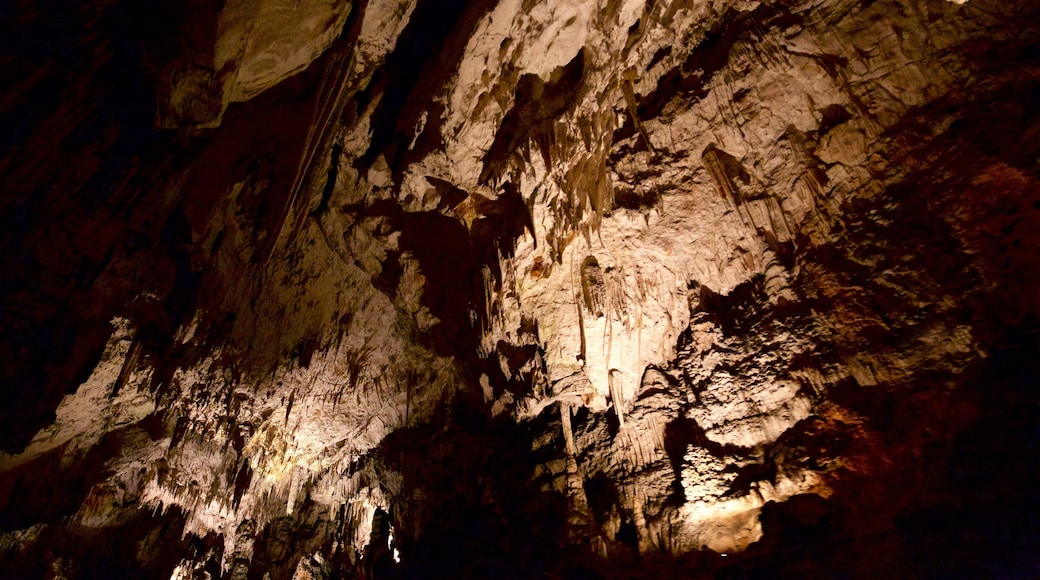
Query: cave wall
x=519 y=288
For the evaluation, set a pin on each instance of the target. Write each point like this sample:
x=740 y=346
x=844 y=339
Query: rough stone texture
x=519 y=289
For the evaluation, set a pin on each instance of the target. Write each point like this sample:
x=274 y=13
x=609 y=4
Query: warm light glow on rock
x=323 y=289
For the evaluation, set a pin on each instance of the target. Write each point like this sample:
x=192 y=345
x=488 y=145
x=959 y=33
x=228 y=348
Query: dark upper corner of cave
x=387 y=289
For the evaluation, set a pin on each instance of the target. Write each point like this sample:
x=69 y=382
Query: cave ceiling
x=519 y=288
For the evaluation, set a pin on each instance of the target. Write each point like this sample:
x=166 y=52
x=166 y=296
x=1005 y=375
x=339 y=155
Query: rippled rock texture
x=519 y=288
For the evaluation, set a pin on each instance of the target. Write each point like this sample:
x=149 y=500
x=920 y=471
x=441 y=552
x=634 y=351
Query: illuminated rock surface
x=524 y=288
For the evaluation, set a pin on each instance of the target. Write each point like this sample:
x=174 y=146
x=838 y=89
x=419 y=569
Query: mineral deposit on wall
x=520 y=288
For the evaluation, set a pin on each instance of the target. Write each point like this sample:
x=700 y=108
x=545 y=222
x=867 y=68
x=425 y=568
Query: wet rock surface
x=523 y=288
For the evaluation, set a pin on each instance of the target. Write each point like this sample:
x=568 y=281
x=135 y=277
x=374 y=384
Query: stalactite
x=593 y=286
x=568 y=432
x=633 y=106
x=617 y=396
x=130 y=365
x=723 y=169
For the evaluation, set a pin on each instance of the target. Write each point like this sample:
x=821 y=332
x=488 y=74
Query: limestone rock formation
x=519 y=288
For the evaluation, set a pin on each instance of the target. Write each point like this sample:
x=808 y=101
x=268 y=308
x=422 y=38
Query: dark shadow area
x=689 y=81
x=420 y=64
x=470 y=505
x=970 y=518
x=536 y=106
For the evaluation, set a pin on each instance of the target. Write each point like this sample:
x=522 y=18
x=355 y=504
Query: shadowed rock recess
x=519 y=289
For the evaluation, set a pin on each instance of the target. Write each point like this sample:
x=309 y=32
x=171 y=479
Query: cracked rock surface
x=519 y=288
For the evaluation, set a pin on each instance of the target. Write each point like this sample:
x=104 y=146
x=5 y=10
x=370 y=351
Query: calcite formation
x=520 y=288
